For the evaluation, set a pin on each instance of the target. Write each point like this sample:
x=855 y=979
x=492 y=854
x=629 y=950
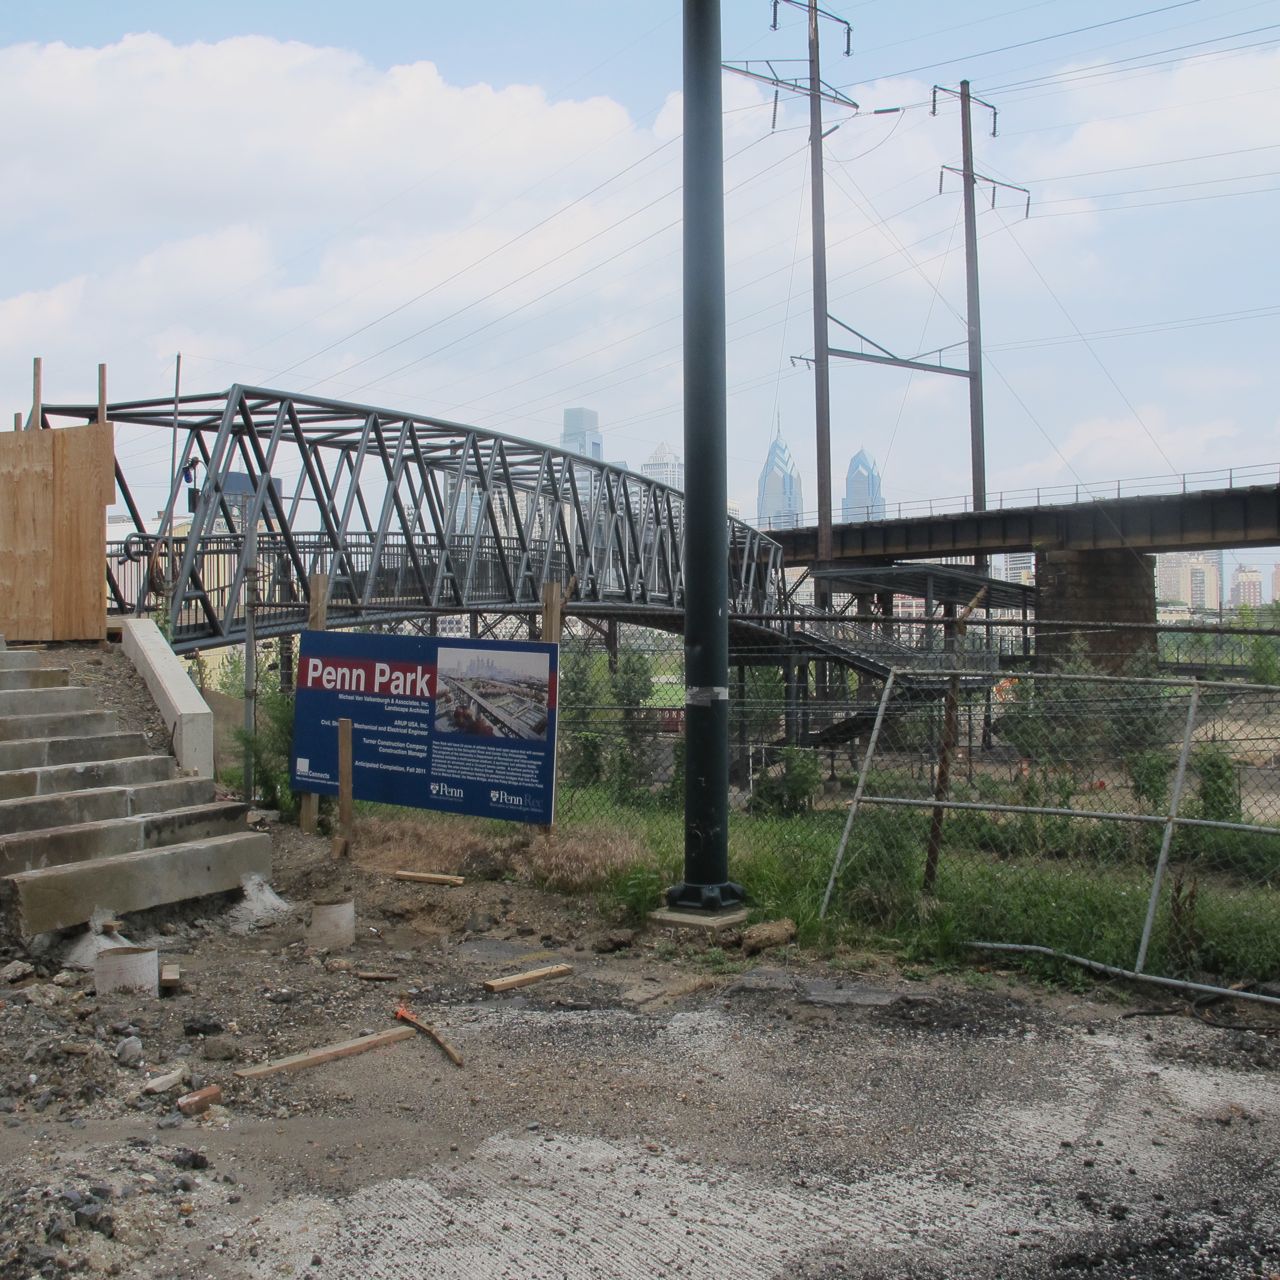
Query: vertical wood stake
x=342 y=841
x=317 y=617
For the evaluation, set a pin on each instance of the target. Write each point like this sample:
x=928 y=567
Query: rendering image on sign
x=461 y=726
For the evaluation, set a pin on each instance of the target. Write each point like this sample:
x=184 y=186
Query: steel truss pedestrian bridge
x=412 y=518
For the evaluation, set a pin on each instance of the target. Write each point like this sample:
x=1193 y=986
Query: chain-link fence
x=1131 y=821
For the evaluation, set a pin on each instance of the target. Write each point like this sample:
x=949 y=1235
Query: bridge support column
x=1079 y=587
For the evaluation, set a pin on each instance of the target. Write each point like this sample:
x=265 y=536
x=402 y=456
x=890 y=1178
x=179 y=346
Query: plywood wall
x=55 y=487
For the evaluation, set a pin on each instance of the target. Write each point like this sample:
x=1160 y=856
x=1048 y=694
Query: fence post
x=1175 y=801
x=317 y=618
x=857 y=794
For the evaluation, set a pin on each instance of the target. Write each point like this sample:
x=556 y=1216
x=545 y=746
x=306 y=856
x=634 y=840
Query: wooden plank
x=328 y=1053
x=526 y=979
x=429 y=877
x=342 y=841
x=26 y=536
x=428 y=1030
x=372 y=975
x=82 y=485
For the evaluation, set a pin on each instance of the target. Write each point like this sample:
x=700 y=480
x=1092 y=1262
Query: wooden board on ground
x=527 y=979
x=428 y=877
x=327 y=1053
x=170 y=976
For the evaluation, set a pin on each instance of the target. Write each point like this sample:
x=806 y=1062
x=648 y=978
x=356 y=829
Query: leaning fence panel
x=1066 y=796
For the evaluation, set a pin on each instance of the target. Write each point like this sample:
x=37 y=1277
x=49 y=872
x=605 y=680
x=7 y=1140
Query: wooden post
x=342 y=841
x=952 y=627
x=102 y=393
x=17 y=420
x=37 y=394
x=553 y=598
x=317 y=617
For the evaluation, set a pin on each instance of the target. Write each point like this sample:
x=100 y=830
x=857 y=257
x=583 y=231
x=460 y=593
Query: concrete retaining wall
x=185 y=712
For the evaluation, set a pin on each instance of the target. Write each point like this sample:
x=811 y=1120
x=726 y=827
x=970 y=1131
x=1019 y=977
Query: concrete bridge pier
x=1079 y=587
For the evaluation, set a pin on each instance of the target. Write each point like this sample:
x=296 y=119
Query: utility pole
x=706 y=885
x=821 y=358
x=977 y=440
x=816 y=92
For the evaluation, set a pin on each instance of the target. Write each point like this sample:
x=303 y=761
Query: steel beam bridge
x=1197 y=521
x=406 y=514
x=412 y=518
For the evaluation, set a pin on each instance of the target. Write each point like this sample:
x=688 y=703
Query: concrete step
x=43 y=702
x=86 y=841
x=85 y=776
x=59 y=897
x=58 y=724
x=20 y=659
x=35 y=813
x=31 y=753
x=34 y=678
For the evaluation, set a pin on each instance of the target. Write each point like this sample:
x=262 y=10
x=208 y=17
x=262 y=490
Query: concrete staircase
x=91 y=820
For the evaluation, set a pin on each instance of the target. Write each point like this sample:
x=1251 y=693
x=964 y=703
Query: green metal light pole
x=706 y=885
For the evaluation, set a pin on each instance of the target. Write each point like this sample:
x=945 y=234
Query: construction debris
x=192 y=1104
x=527 y=979
x=429 y=877
x=328 y=1053
x=428 y=1030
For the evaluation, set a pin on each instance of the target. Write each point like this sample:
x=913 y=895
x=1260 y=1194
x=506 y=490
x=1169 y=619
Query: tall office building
x=862 y=497
x=1190 y=578
x=1246 y=586
x=1020 y=567
x=779 y=492
x=664 y=467
x=581 y=433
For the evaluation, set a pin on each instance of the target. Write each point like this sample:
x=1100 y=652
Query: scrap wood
x=526 y=979
x=194 y=1104
x=170 y=975
x=327 y=1053
x=369 y=975
x=428 y=877
x=427 y=1029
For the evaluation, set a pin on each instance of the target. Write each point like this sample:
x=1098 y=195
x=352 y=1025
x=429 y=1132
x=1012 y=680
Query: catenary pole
x=706 y=883
x=977 y=440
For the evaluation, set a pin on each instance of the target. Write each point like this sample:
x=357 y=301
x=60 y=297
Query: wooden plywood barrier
x=55 y=487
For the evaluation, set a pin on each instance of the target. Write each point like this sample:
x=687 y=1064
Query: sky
x=473 y=212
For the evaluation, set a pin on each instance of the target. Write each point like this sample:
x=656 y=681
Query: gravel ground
x=668 y=1109
x=105 y=669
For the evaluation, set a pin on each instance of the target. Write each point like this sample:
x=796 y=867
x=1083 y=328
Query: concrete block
x=85 y=775
x=30 y=753
x=19 y=659
x=67 y=808
x=185 y=712
x=33 y=677
x=31 y=850
x=59 y=897
x=59 y=724
x=44 y=702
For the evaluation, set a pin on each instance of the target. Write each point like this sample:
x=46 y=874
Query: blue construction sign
x=464 y=726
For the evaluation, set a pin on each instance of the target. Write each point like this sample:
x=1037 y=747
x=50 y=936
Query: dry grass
x=582 y=859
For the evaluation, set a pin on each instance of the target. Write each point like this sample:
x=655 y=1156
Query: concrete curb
x=185 y=712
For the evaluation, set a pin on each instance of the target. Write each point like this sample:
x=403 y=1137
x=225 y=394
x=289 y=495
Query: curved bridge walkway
x=411 y=516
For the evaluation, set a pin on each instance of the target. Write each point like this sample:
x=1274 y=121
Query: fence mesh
x=1031 y=809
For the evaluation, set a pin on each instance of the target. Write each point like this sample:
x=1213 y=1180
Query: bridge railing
x=1045 y=495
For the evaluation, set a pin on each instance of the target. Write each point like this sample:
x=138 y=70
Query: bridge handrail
x=1172 y=484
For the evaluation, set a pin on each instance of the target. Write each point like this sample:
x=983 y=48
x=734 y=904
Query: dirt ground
x=670 y=1108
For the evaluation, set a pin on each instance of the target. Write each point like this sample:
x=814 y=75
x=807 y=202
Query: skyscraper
x=581 y=433
x=664 y=467
x=1246 y=586
x=779 y=493
x=862 y=497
